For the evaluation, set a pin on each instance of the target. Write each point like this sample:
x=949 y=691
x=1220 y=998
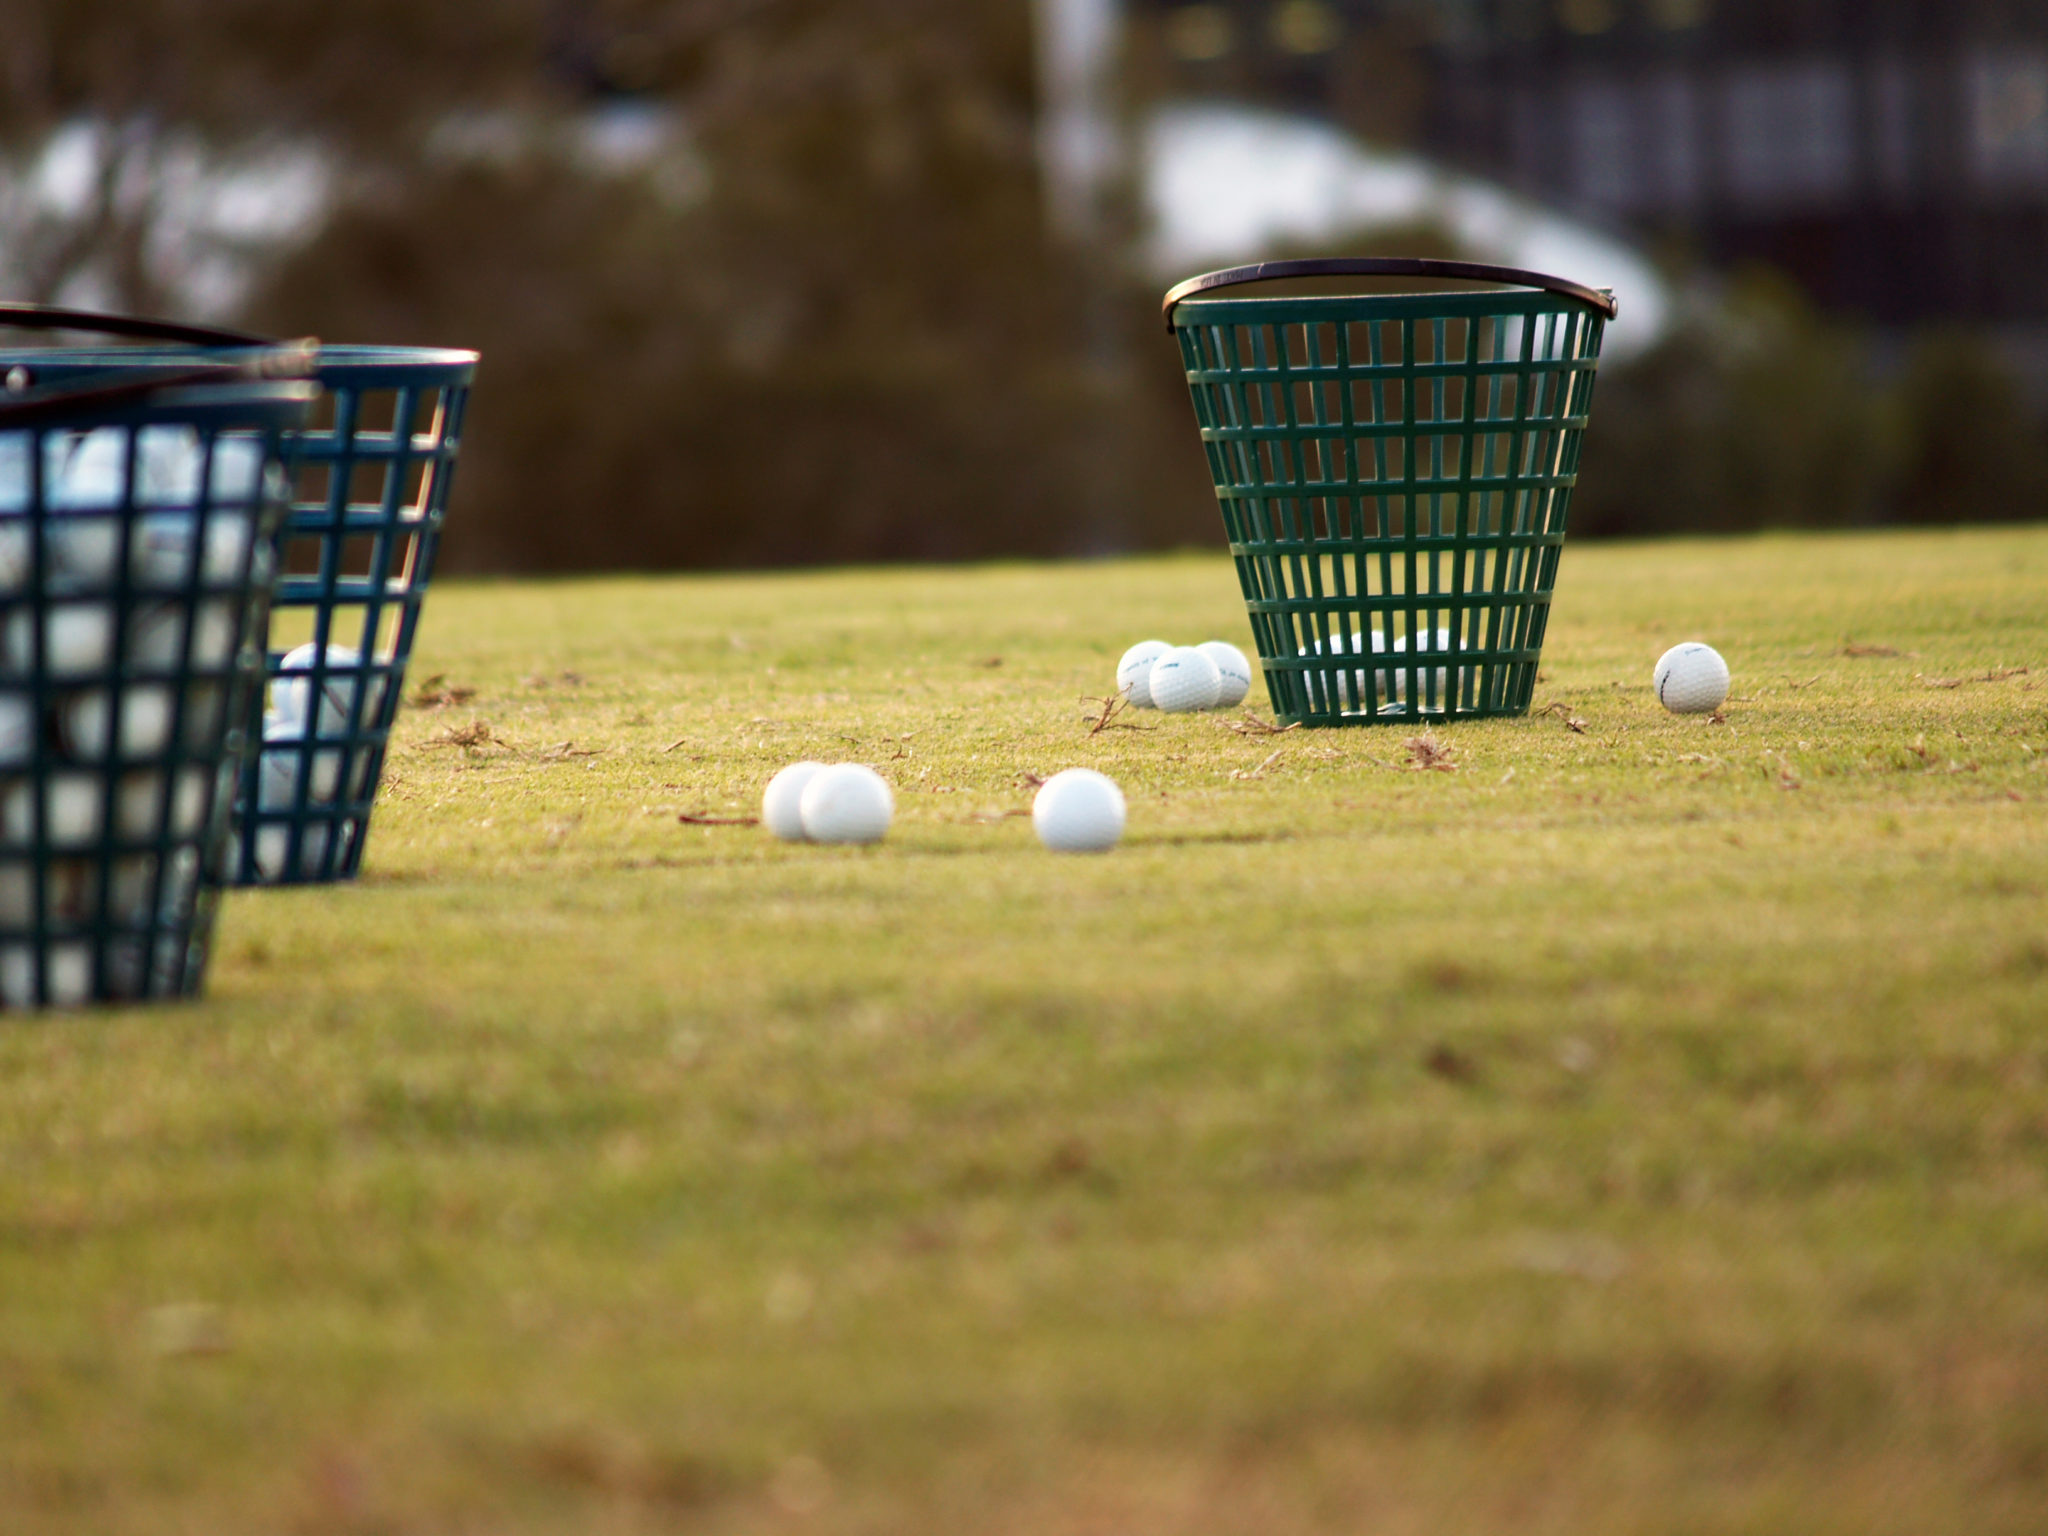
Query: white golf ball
x=15 y=480
x=1391 y=682
x=70 y=811
x=782 y=801
x=67 y=974
x=1437 y=641
x=78 y=640
x=846 y=803
x=274 y=847
x=1078 y=811
x=17 y=895
x=139 y=805
x=1232 y=668
x=14 y=553
x=1184 y=679
x=281 y=769
x=1350 y=685
x=1133 y=673
x=85 y=722
x=1690 y=679
x=17 y=728
x=343 y=668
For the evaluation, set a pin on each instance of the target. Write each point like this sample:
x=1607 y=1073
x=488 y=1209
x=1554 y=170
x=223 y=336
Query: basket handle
x=50 y=317
x=290 y=360
x=1384 y=266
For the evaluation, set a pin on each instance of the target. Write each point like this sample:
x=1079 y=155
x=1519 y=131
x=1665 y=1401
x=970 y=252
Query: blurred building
x=1892 y=155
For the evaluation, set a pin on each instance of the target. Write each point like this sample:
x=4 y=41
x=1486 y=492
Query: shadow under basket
x=139 y=526
x=1394 y=473
x=371 y=474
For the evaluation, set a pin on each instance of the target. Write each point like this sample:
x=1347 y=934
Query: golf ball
x=78 y=639
x=1232 y=668
x=782 y=801
x=281 y=770
x=1078 y=811
x=344 y=674
x=846 y=803
x=1690 y=679
x=274 y=848
x=1184 y=679
x=70 y=814
x=85 y=722
x=1392 y=682
x=66 y=970
x=1134 y=672
x=17 y=728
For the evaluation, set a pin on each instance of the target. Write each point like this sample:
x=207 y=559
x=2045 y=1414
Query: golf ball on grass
x=782 y=801
x=1183 y=680
x=1234 y=672
x=1691 y=679
x=846 y=803
x=1078 y=811
x=1134 y=672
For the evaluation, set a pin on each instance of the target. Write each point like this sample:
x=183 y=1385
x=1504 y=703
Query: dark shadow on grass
x=1178 y=839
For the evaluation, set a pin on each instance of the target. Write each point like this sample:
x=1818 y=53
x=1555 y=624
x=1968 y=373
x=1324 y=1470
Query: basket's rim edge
x=1599 y=299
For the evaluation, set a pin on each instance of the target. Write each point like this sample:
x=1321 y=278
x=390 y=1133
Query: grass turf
x=1641 y=1126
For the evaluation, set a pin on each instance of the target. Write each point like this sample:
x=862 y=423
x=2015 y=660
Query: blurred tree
x=144 y=84
x=1752 y=413
x=854 y=342
x=1973 y=448
x=756 y=281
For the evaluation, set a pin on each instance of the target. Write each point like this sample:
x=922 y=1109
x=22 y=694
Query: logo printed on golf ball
x=1183 y=680
x=1078 y=811
x=1232 y=668
x=1690 y=679
x=1134 y=671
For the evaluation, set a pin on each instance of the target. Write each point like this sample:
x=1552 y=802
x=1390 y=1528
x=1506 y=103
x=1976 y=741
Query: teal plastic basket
x=371 y=477
x=140 y=518
x=1394 y=473
x=371 y=472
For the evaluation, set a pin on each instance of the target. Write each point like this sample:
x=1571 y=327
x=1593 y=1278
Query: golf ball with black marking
x=1690 y=679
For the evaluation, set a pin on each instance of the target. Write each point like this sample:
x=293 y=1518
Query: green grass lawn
x=1642 y=1127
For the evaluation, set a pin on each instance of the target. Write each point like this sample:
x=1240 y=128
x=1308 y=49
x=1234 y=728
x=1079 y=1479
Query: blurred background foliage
x=764 y=282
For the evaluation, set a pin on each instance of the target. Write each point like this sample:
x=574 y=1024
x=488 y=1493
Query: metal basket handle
x=49 y=317
x=21 y=407
x=1384 y=266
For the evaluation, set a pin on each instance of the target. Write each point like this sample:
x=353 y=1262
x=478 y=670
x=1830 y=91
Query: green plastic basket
x=139 y=523
x=1394 y=473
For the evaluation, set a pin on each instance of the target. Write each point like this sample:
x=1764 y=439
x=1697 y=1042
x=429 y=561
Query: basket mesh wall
x=137 y=552
x=371 y=477
x=1394 y=474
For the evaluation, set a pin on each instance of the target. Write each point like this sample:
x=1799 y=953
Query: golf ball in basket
x=342 y=666
x=1690 y=679
x=17 y=728
x=1134 y=672
x=782 y=801
x=846 y=803
x=1078 y=811
x=1184 y=679
x=1232 y=668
